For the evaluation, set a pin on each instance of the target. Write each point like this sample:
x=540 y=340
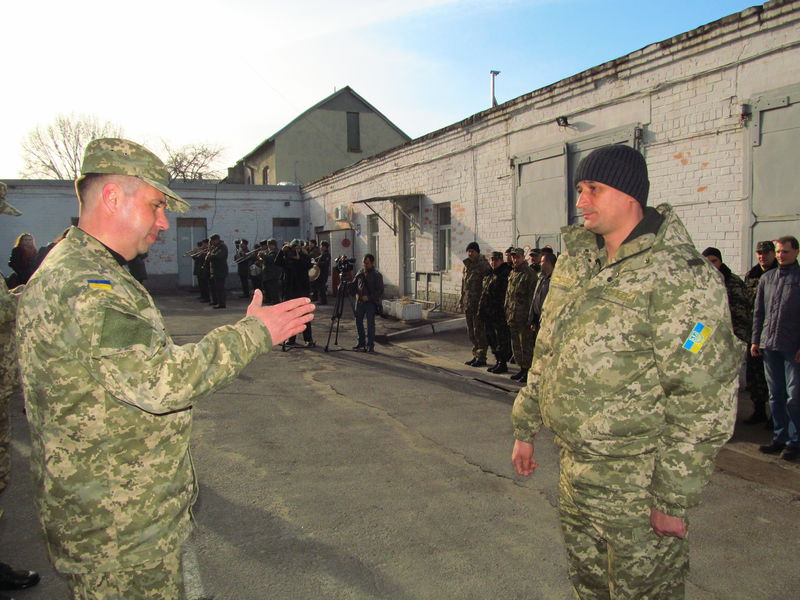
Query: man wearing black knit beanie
x=635 y=370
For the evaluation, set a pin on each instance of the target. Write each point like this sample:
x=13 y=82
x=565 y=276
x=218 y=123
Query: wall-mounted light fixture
x=562 y=121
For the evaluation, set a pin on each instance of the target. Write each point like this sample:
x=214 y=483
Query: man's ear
x=112 y=195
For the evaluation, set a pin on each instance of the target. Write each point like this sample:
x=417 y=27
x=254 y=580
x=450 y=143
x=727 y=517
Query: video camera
x=344 y=264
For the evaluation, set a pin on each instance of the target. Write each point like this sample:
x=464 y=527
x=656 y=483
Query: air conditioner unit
x=340 y=213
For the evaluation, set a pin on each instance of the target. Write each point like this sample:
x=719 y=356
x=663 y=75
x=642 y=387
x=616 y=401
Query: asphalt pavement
x=336 y=474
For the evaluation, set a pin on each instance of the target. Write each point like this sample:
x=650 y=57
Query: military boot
x=494 y=366
x=500 y=368
x=522 y=375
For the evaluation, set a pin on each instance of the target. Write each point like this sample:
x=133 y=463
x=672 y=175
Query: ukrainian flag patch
x=697 y=338
x=99 y=284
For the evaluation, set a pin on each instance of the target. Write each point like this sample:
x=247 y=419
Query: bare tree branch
x=56 y=151
x=192 y=162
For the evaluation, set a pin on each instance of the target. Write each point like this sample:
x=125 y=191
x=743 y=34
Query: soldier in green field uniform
x=10 y=578
x=521 y=285
x=636 y=373
x=109 y=395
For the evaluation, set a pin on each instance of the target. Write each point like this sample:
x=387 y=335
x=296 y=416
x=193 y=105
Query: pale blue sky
x=234 y=72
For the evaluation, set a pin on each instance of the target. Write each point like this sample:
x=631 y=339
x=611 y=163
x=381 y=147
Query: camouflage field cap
x=5 y=207
x=517 y=252
x=114 y=156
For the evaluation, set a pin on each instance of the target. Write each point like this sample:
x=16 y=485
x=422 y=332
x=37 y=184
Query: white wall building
x=253 y=212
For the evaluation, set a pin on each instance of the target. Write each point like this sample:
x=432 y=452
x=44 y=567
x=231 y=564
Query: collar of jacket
x=659 y=228
x=88 y=241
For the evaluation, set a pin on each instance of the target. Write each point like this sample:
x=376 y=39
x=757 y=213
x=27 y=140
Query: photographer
x=295 y=262
x=368 y=286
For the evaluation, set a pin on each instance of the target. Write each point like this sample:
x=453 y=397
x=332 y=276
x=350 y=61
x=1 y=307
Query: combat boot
x=521 y=376
x=500 y=368
x=494 y=366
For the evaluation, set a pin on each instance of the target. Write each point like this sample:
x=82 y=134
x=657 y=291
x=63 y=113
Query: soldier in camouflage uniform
x=739 y=301
x=10 y=578
x=521 y=285
x=756 y=379
x=635 y=372
x=109 y=395
x=492 y=313
x=476 y=267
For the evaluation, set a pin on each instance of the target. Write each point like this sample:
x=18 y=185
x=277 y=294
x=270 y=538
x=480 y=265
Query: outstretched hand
x=283 y=320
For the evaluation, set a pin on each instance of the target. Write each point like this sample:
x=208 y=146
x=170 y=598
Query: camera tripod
x=338 y=309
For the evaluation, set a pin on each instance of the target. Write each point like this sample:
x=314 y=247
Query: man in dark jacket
x=776 y=336
x=369 y=291
x=243 y=266
x=218 y=261
x=756 y=380
x=271 y=271
x=492 y=313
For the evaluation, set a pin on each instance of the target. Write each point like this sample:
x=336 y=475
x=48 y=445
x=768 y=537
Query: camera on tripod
x=344 y=264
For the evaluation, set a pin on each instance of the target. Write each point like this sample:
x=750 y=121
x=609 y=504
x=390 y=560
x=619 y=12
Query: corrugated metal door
x=190 y=231
x=775 y=142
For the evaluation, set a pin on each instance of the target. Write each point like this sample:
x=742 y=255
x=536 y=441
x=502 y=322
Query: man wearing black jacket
x=369 y=290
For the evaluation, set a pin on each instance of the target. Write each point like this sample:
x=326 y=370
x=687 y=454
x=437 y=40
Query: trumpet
x=247 y=256
x=196 y=252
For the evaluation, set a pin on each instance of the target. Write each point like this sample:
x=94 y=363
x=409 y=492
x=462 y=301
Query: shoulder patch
x=99 y=284
x=695 y=262
x=697 y=337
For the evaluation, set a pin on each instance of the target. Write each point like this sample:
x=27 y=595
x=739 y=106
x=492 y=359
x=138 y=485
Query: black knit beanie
x=473 y=246
x=618 y=166
x=711 y=251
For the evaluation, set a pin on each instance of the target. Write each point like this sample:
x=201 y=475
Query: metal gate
x=775 y=148
x=190 y=231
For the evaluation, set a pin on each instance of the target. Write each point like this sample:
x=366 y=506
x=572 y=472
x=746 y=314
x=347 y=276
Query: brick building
x=716 y=111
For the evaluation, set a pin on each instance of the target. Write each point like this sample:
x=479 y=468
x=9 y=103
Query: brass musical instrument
x=313 y=272
x=247 y=256
x=196 y=252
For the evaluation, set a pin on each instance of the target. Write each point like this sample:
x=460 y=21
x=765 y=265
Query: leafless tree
x=56 y=151
x=192 y=162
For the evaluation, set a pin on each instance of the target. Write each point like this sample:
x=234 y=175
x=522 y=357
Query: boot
x=501 y=368
x=494 y=366
x=521 y=376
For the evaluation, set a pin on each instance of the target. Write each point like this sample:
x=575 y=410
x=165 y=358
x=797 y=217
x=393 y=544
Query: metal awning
x=394 y=200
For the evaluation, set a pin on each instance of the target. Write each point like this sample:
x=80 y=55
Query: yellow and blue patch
x=697 y=338
x=99 y=284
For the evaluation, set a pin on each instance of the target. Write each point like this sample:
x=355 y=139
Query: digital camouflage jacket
x=109 y=399
x=636 y=359
x=472 y=282
x=521 y=285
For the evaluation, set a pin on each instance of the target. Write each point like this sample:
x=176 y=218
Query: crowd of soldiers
x=295 y=270
x=502 y=299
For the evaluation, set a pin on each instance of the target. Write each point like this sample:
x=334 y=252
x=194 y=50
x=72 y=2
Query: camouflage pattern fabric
x=646 y=566
x=476 y=329
x=638 y=403
x=521 y=284
x=472 y=282
x=109 y=398
x=8 y=376
x=522 y=340
x=740 y=303
x=115 y=156
x=756 y=379
x=161 y=581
